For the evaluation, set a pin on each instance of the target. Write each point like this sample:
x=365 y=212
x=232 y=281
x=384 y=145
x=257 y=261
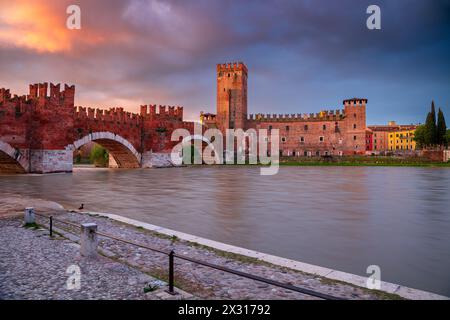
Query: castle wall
x=338 y=132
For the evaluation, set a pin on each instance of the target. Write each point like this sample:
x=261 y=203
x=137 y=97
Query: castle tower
x=231 y=96
x=355 y=124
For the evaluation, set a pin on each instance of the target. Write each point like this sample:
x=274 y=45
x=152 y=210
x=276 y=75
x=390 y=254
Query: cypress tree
x=441 y=128
x=430 y=125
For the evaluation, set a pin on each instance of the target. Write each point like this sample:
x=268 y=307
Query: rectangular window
x=354 y=137
x=324 y=127
x=302 y=139
x=306 y=127
x=321 y=139
x=283 y=139
x=287 y=128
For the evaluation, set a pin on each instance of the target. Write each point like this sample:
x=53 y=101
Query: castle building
x=329 y=132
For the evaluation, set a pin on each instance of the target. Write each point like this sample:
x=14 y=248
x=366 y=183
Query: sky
x=302 y=56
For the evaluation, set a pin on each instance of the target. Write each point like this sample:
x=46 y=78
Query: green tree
x=419 y=136
x=447 y=137
x=430 y=127
x=441 y=128
x=99 y=156
x=189 y=152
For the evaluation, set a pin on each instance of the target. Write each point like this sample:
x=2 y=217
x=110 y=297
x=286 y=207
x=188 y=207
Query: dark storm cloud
x=302 y=55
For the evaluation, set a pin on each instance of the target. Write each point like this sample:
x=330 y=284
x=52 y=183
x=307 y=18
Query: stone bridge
x=40 y=131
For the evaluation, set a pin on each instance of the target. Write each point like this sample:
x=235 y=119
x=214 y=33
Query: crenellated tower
x=231 y=96
x=355 y=124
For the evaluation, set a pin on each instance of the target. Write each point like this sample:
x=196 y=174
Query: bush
x=99 y=156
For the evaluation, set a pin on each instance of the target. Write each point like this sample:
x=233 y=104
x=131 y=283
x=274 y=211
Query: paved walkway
x=202 y=281
x=33 y=266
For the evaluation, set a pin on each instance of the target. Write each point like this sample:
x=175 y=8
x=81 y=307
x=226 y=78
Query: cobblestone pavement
x=34 y=266
x=201 y=281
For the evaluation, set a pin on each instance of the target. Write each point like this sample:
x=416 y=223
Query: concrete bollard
x=89 y=240
x=30 y=216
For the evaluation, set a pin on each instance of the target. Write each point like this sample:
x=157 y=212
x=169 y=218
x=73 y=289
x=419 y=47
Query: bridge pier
x=48 y=161
x=156 y=159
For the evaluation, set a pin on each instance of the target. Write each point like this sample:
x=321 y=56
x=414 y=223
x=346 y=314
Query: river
x=344 y=218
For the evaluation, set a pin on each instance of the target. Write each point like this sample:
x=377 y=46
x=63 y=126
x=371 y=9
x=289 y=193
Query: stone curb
x=402 y=291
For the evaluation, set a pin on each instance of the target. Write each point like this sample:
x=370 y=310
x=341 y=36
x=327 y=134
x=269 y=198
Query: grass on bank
x=387 y=161
x=380 y=161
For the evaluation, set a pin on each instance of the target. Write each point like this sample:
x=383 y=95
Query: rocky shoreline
x=33 y=266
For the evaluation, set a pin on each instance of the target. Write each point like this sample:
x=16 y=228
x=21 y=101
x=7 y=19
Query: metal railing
x=172 y=255
x=52 y=219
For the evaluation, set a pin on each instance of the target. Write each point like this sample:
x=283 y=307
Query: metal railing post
x=171 y=277
x=51 y=226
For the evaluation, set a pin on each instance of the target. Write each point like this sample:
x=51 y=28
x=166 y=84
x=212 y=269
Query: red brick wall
x=332 y=133
x=48 y=120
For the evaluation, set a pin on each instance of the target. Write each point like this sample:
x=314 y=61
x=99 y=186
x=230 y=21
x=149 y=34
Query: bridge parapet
x=149 y=112
x=112 y=115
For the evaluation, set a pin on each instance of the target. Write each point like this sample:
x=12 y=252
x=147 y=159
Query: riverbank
x=375 y=161
x=355 y=161
x=35 y=266
x=201 y=282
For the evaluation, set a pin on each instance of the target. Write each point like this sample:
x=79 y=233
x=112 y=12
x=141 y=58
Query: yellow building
x=402 y=140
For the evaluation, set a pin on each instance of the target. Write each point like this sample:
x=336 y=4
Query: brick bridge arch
x=123 y=152
x=40 y=130
x=11 y=159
